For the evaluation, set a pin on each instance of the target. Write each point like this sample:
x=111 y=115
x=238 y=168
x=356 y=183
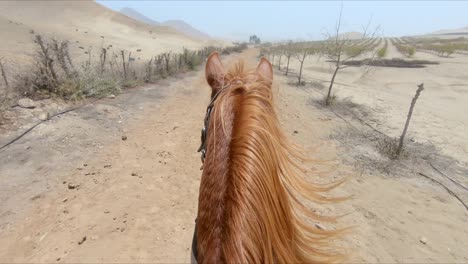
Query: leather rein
x=206 y=124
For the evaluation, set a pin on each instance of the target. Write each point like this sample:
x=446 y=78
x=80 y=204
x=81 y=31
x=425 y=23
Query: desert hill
x=458 y=31
x=448 y=33
x=132 y=13
x=85 y=24
x=186 y=29
x=349 y=35
x=179 y=25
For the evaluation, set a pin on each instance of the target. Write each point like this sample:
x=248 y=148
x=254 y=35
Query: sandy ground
x=112 y=216
x=438 y=118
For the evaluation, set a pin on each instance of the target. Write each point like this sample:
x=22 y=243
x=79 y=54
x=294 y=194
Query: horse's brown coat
x=249 y=201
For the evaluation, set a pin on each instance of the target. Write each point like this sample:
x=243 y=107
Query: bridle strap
x=206 y=124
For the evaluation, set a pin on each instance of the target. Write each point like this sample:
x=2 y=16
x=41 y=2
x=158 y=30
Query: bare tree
x=410 y=113
x=288 y=52
x=281 y=53
x=341 y=50
x=273 y=56
x=301 y=55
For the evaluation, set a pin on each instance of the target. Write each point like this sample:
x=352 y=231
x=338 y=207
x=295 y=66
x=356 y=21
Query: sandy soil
x=438 y=118
x=112 y=216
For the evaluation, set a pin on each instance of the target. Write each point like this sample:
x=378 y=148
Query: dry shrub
x=331 y=100
x=406 y=50
x=234 y=49
x=53 y=72
x=388 y=146
x=98 y=86
x=382 y=52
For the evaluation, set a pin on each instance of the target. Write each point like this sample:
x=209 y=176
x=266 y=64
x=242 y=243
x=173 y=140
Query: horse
x=251 y=206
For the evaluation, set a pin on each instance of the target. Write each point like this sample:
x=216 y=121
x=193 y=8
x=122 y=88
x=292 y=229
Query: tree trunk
x=410 y=113
x=300 y=73
x=287 y=66
x=166 y=58
x=279 y=63
x=327 y=100
x=304 y=55
x=4 y=75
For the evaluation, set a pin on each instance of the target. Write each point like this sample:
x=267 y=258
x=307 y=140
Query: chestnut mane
x=252 y=191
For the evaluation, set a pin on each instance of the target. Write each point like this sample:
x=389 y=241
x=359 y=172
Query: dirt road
x=75 y=191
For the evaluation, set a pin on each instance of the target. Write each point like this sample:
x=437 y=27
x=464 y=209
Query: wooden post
x=123 y=64
x=4 y=75
x=410 y=113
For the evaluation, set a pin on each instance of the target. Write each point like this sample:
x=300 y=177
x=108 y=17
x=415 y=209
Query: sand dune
x=84 y=24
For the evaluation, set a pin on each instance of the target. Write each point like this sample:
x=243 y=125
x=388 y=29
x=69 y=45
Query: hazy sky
x=281 y=20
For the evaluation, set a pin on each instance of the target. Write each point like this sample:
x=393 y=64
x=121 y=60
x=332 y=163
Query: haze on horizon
x=303 y=20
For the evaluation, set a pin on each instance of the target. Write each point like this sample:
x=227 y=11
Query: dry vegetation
x=404 y=49
x=339 y=50
x=382 y=52
x=343 y=53
x=439 y=47
x=105 y=71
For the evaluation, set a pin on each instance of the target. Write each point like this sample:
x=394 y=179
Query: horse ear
x=214 y=72
x=265 y=70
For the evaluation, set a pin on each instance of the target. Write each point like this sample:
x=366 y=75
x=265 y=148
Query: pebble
x=423 y=240
x=72 y=186
x=82 y=240
x=319 y=226
x=26 y=103
x=44 y=116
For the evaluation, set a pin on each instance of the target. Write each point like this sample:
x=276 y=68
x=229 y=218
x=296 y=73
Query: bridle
x=202 y=149
x=206 y=124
